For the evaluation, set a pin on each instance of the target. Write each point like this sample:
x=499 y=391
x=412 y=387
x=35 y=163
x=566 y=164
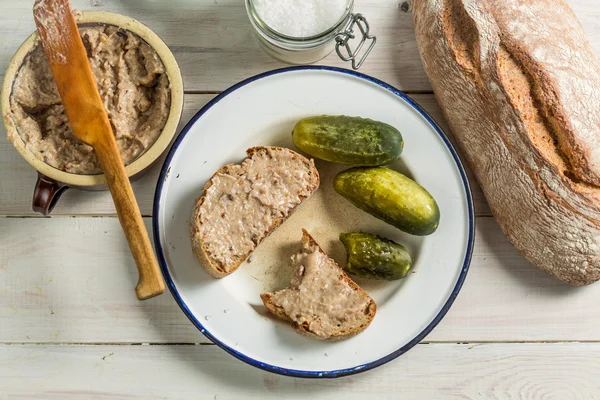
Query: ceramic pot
x=52 y=182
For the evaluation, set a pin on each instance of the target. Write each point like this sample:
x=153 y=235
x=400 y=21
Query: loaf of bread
x=520 y=87
x=243 y=203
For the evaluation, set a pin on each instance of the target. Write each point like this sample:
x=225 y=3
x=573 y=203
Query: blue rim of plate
x=293 y=372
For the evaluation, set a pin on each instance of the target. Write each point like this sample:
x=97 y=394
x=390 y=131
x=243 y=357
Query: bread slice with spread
x=323 y=302
x=243 y=203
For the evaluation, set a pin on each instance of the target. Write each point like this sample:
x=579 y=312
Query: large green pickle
x=391 y=197
x=374 y=257
x=348 y=140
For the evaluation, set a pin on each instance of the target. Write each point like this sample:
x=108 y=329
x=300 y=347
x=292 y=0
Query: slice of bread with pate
x=243 y=203
x=323 y=302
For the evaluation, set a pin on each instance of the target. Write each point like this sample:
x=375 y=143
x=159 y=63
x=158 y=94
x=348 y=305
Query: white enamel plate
x=262 y=111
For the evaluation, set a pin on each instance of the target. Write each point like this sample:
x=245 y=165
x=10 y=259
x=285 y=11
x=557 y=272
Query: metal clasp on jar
x=342 y=41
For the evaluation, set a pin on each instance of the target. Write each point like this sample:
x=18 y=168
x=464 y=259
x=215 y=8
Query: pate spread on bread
x=322 y=302
x=243 y=203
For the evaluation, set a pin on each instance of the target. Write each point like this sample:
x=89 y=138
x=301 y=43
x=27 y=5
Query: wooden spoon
x=88 y=119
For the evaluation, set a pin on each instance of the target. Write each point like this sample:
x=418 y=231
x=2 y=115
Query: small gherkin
x=375 y=257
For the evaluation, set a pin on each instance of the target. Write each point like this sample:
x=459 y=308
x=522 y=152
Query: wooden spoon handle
x=150 y=281
x=88 y=119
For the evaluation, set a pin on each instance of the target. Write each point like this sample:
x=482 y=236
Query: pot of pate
x=140 y=84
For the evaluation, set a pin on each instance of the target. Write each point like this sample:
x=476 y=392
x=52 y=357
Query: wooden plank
x=213 y=44
x=71 y=280
x=17 y=178
x=440 y=371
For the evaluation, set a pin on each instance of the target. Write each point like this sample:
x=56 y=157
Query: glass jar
x=307 y=50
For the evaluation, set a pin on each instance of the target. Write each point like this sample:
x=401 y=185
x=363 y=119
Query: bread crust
x=519 y=85
x=267 y=299
x=198 y=246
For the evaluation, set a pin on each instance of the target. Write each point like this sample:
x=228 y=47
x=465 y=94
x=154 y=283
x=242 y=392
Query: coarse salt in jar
x=305 y=31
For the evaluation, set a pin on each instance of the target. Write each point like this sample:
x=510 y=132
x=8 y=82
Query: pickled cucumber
x=374 y=257
x=391 y=197
x=348 y=140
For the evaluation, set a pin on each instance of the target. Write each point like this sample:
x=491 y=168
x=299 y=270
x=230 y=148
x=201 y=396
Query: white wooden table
x=71 y=327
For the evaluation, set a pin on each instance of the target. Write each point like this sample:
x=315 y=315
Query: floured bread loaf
x=520 y=87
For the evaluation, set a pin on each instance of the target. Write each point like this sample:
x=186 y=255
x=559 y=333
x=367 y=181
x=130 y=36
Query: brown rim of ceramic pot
x=52 y=182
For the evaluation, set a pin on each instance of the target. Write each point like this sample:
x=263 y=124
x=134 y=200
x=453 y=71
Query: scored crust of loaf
x=520 y=87
x=371 y=309
x=198 y=245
